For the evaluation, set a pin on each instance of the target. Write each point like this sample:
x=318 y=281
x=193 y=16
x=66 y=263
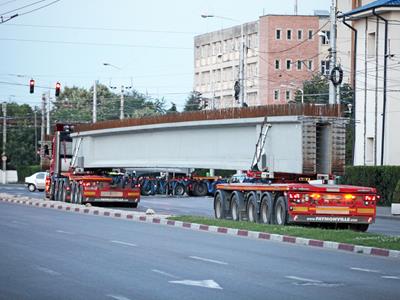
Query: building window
x=371 y=44
x=288 y=64
x=325 y=37
x=299 y=65
x=288 y=95
x=310 y=65
x=325 y=67
x=278 y=34
x=300 y=34
x=289 y=34
x=276 y=95
x=310 y=34
x=277 y=64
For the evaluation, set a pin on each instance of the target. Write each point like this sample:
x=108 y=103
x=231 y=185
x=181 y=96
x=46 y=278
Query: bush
x=26 y=171
x=396 y=194
x=384 y=178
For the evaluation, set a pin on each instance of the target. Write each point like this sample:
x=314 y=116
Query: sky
x=148 y=44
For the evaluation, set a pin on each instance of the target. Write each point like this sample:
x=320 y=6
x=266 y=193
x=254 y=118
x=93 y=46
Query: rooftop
x=374 y=5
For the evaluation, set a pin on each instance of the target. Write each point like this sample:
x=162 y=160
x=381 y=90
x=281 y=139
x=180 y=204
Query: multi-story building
x=282 y=51
x=377 y=73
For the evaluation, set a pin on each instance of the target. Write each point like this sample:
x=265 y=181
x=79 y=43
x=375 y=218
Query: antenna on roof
x=295 y=7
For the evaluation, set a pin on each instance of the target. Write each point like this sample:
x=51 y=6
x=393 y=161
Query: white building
x=377 y=106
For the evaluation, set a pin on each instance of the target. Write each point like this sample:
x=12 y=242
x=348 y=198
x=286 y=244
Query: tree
x=193 y=102
x=172 y=109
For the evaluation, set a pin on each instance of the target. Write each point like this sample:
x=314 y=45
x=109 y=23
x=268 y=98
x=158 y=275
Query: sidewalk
x=383 y=212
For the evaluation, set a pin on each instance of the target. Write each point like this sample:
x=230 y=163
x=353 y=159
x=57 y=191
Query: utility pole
x=295 y=7
x=48 y=116
x=332 y=88
x=35 y=126
x=42 y=129
x=121 y=109
x=3 y=155
x=241 y=67
x=95 y=101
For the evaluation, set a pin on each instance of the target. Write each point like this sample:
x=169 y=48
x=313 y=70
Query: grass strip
x=333 y=235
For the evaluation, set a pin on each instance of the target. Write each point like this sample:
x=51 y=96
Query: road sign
x=4 y=158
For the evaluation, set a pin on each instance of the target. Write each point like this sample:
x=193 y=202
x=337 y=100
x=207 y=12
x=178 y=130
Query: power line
x=95 y=44
x=102 y=29
x=22 y=7
x=41 y=7
x=7 y=2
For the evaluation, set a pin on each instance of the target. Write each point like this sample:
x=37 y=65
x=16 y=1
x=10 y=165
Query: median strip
x=342 y=240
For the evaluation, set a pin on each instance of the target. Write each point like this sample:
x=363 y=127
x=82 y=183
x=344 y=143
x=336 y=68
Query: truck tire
x=266 y=208
x=179 y=190
x=73 y=192
x=234 y=208
x=219 y=205
x=145 y=189
x=252 y=214
x=280 y=211
x=57 y=191
x=200 y=189
x=79 y=195
x=63 y=191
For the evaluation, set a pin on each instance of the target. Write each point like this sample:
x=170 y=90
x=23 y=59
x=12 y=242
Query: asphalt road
x=198 y=206
x=49 y=254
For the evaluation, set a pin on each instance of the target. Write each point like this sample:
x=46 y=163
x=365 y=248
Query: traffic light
x=31 y=86
x=58 y=87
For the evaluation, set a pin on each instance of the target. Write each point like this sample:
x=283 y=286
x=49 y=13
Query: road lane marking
x=19 y=222
x=391 y=277
x=124 y=243
x=303 y=279
x=164 y=273
x=118 y=297
x=209 y=260
x=365 y=270
x=65 y=232
x=210 y=284
x=48 y=271
x=313 y=282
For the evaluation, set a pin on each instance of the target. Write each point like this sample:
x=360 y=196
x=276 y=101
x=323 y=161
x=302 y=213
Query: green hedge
x=26 y=171
x=386 y=179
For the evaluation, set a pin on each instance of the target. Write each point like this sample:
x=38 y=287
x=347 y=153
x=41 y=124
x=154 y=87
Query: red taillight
x=370 y=198
x=315 y=196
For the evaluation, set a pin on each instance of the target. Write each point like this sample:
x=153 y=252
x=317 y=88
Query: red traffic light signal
x=58 y=88
x=31 y=86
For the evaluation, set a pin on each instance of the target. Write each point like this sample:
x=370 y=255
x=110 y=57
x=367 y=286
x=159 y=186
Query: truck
x=68 y=183
x=288 y=198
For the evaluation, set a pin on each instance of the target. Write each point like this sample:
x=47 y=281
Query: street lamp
x=241 y=56
x=122 y=102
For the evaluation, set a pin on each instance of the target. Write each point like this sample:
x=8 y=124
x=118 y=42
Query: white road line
x=391 y=277
x=303 y=279
x=209 y=260
x=210 y=284
x=124 y=243
x=118 y=297
x=65 y=232
x=48 y=271
x=365 y=270
x=164 y=273
x=19 y=222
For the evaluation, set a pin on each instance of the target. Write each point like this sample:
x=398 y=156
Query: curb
x=162 y=220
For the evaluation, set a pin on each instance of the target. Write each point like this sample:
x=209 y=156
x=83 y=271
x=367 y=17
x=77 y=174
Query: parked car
x=36 y=182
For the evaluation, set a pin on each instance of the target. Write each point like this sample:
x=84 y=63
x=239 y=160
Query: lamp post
x=241 y=54
x=123 y=88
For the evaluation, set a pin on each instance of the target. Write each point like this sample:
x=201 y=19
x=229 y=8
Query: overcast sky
x=151 y=42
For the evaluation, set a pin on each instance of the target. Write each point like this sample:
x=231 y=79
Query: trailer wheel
x=73 y=192
x=219 y=206
x=266 y=209
x=200 y=189
x=359 y=227
x=252 y=215
x=281 y=214
x=179 y=190
x=234 y=208
x=63 y=192
x=57 y=191
x=79 y=195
